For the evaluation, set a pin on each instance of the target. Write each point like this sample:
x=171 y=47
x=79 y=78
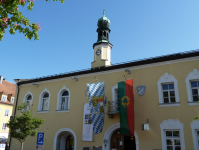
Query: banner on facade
x=87 y=124
x=126 y=107
x=96 y=103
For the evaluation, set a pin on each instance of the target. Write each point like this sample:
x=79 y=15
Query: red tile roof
x=7 y=88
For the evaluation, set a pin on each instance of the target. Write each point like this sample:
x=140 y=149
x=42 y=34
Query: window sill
x=43 y=111
x=60 y=111
x=193 y=103
x=169 y=104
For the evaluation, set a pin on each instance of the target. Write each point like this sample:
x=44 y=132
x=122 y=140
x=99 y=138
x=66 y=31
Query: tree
x=11 y=18
x=23 y=125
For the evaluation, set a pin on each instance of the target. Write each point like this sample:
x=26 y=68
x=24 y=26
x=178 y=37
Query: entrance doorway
x=65 y=141
x=122 y=141
x=69 y=143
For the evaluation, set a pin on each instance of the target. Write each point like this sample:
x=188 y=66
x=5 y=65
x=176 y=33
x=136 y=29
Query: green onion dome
x=103 y=22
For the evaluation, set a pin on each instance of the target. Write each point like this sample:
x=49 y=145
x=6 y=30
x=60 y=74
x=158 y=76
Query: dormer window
x=12 y=100
x=4 y=98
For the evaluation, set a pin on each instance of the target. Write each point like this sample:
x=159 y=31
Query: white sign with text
x=87 y=124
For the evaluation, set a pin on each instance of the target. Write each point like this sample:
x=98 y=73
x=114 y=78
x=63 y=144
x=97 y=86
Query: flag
x=96 y=103
x=126 y=107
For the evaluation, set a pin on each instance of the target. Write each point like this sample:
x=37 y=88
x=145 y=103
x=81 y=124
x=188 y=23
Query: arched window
x=104 y=34
x=29 y=100
x=64 y=100
x=45 y=102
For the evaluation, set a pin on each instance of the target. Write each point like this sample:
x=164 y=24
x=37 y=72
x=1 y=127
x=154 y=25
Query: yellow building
x=164 y=108
x=7 y=93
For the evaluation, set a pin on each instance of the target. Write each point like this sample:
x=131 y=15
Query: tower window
x=104 y=34
x=101 y=35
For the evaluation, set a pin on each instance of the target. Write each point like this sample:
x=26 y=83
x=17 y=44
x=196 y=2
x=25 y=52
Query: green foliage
x=196 y=118
x=12 y=19
x=24 y=125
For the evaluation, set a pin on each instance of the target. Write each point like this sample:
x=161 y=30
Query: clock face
x=98 y=52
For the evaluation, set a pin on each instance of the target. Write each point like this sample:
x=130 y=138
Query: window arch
x=28 y=98
x=44 y=101
x=172 y=130
x=168 y=91
x=63 y=101
x=192 y=84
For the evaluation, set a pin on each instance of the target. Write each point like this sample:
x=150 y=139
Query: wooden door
x=117 y=142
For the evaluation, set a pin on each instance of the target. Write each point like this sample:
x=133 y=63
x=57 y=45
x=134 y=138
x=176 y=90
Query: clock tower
x=102 y=48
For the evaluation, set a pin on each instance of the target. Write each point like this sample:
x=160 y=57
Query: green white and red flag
x=126 y=106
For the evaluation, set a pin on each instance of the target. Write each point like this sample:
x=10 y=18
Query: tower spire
x=104 y=13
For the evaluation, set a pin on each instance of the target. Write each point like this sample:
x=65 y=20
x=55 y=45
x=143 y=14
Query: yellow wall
x=99 y=62
x=104 y=49
x=4 y=119
x=146 y=106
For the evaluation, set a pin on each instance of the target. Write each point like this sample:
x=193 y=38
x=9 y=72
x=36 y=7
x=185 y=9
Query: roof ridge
x=161 y=58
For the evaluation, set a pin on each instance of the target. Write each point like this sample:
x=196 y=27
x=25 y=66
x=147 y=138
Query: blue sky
x=139 y=29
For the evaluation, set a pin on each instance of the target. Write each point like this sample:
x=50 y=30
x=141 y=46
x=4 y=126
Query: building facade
x=167 y=104
x=7 y=94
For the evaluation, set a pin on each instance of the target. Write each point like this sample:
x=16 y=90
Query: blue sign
x=40 y=138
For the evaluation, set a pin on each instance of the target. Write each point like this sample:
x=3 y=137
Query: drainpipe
x=14 y=113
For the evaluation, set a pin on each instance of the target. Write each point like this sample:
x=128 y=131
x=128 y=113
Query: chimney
x=1 y=79
x=4 y=79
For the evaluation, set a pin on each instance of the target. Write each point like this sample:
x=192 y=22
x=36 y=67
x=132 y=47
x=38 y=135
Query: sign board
x=87 y=124
x=40 y=138
x=39 y=147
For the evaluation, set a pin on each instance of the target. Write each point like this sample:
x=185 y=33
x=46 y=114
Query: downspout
x=14 y=113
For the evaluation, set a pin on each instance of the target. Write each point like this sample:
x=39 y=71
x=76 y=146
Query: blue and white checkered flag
x=96 y=103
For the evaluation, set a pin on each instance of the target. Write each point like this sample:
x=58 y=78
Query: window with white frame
x=45 y=102
x=195 y=90
x=4 y=126
x=12 y=100
x=29 y=100
x=192 y=84
x=197 y=139
x=168 y=93
x=6 y=112
x=172 y=140
x=4 y=98
x=114 y=103
x=172 y=135
x=195 y=133
x=64 y=100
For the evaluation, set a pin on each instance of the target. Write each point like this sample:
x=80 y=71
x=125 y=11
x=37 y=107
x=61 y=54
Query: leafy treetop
x=24 y=125
x=12 y=19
